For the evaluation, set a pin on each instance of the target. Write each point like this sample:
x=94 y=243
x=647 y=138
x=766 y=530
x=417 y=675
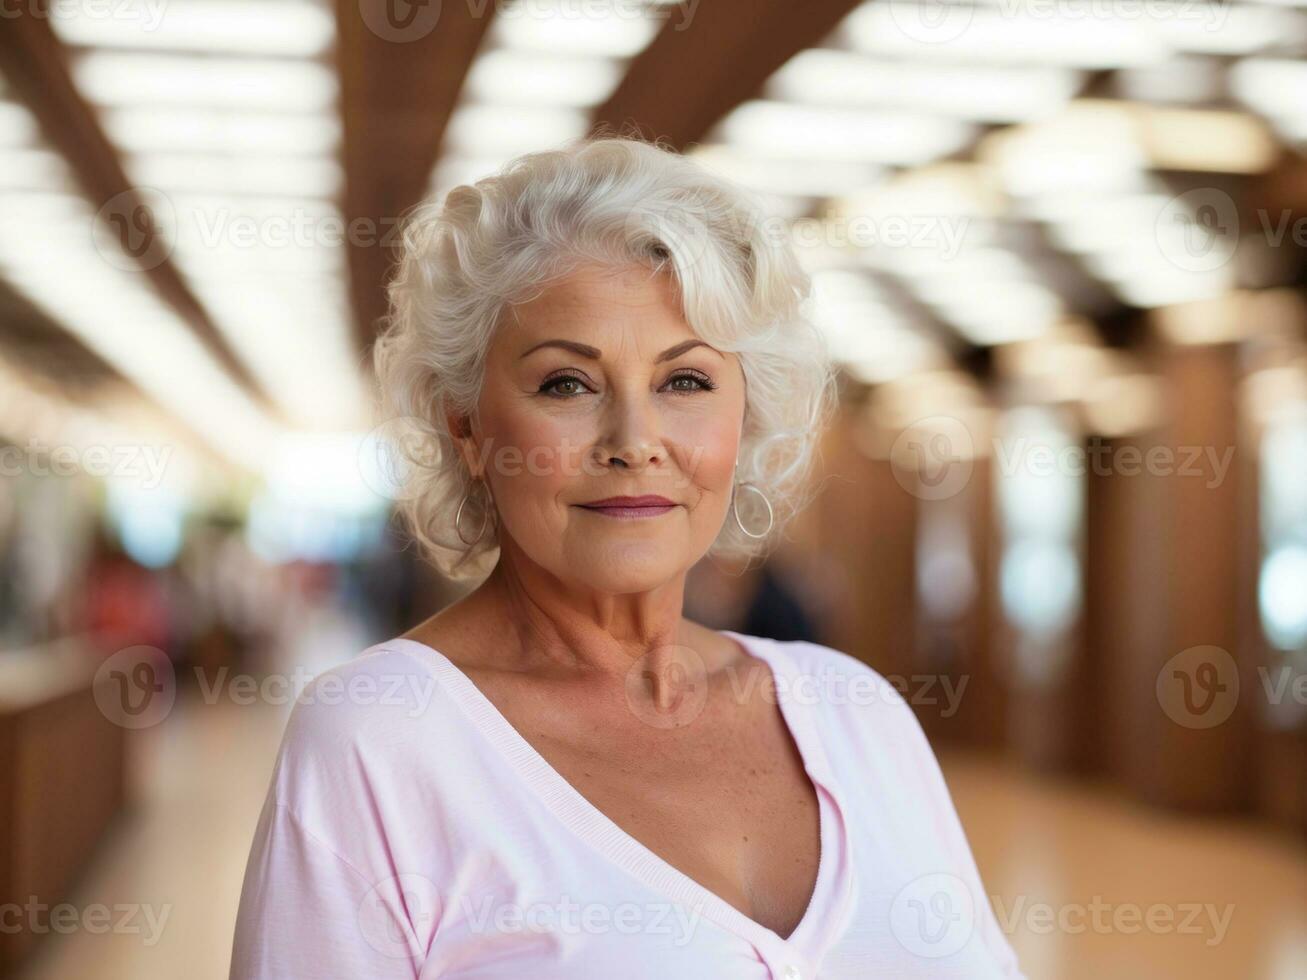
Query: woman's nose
x=633 y=436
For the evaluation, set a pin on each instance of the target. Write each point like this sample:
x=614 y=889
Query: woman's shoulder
x=828 y=671
x=841 y=689
x=353 y=720
x=384 y=682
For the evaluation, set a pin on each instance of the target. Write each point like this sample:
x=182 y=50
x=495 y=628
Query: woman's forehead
x=599 y=306
x=591 y=285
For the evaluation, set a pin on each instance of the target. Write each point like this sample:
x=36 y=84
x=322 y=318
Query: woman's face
x=598 y=389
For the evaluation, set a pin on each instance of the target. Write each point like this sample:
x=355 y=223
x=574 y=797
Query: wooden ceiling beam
x=400 y=80
x=694 y=72
x=34 y=62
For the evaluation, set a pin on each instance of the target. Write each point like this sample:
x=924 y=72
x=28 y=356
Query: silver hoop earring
x=458 y=521
x=735 y=512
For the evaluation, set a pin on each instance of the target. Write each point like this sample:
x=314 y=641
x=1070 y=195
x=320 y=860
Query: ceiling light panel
x=525 y=77
x=1079 y=35
x=285 y=28
x=982 y=93
x=226 y=118
x=818 y=178
x=137 y=130
x=867 y=329
x=984 y=34
x=133 y=79
x=1276 y=88
x=615 y=30
x=788 y=131
x=477 y=129
x=53 y=253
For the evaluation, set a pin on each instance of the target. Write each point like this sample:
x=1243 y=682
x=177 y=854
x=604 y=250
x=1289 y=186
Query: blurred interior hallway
x=1047 y=848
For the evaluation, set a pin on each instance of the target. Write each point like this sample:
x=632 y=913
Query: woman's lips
x=630 y=507
x=627 y=512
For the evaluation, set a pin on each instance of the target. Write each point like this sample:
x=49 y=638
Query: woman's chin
x=629 y=566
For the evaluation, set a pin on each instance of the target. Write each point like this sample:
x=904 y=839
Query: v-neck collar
x=825 y=912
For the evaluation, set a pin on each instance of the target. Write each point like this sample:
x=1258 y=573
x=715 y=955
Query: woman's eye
x=567 y=385
x=696 y=383
x=551 y=387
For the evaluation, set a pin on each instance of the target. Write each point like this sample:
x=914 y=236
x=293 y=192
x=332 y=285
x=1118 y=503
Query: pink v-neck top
x=411 y=831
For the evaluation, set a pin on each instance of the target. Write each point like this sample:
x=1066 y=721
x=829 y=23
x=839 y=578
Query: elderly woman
x=604 y=372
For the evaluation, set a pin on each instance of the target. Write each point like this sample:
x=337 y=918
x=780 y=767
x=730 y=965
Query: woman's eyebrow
x=584 y=350
x=594 y=353
x=678 y=349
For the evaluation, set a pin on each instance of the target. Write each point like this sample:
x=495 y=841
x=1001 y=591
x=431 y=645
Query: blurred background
x=1060 y=249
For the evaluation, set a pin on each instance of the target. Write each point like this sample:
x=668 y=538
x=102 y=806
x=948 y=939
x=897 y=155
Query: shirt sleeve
x=306 y=912
x=940 y=802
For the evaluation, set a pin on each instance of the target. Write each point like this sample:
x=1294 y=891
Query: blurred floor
x=199 y=781
x=1054 y=845
x=1039 y=841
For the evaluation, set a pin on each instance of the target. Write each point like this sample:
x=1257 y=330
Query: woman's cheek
x=541 y=456
x=706 y=450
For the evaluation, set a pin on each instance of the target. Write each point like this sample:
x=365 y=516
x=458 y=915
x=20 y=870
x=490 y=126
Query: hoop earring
x=735 y=512
x=458 y=519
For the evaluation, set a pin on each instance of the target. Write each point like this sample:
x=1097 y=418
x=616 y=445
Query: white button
x=792 y=972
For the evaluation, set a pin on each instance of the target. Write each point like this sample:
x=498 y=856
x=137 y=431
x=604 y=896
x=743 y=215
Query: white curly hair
x=485 y=247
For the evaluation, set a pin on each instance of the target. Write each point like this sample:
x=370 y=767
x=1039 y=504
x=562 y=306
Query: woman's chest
x=724 y=799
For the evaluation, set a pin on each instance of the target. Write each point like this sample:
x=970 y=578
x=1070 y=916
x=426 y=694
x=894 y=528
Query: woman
x=606 y=375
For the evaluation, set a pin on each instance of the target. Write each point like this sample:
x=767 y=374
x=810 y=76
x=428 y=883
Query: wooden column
x=1195 y=735
x=867 y=529
x=874 y=521
x=1125 y=614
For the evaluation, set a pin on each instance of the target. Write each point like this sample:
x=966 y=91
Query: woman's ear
x=460 y=427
